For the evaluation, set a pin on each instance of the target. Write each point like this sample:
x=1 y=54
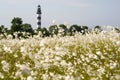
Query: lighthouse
x=39 y=17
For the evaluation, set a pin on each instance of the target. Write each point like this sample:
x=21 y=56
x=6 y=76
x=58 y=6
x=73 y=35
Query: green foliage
x=84 y=29
x=27 y=28
x=53 y=30
x=20 y=30
x=45 y=32
x=116 y=30
x=97 y=29
x=16 y=24
x=3 y=29
x=74 y=28
x=63 y=29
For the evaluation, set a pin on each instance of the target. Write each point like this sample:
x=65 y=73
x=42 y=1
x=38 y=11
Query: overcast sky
x=81 y=12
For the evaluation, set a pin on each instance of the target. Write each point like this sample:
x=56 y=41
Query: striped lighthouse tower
x=39 y=17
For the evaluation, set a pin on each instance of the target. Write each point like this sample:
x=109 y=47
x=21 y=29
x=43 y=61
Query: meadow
x=79 y=57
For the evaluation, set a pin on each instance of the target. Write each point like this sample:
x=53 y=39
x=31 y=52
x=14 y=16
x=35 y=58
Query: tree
x=74 y=28
x=97 y=29
x=45 y=32
x=3 y=29
x=116 y=30
x=63 y=26
x=38 y=29
x=84 y=29
x=53 y=30
x=63 y=29
x=27 y=28
x=16 y=24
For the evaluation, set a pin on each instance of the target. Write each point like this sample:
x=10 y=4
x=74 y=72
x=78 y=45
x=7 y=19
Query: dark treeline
x=25 y=30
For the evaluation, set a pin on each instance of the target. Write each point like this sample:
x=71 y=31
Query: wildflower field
x=79 y=57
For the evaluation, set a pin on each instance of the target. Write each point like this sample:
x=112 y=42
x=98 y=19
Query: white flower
x=95 y=57
x=22 y=49
x=87 y=59
x=99 y=53
x=119 y=49
x=56 y=63
x=57 y=58
x=118 y=43
x=51 y=74
x=31 y=56
x=46 y=66
x=9 y=36
x=113 y=65
x=117 y=76
x=42 y=42
x=1 y=75
x=18 y=73
x=45 y=76
x=101 y=70
x=90 y=55
x=7 y=49
x=63 y=63
x=37 y=55
x=5 y=66
x=68 y=77
x=74 y=54
x=15 y=55
x=26 y=71
x=24 y=68
x=30 y=78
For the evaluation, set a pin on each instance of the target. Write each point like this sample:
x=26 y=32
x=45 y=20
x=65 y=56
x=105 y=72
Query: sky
x=82 y=12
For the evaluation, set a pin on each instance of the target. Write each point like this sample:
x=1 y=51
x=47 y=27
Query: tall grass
x=78 y=57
